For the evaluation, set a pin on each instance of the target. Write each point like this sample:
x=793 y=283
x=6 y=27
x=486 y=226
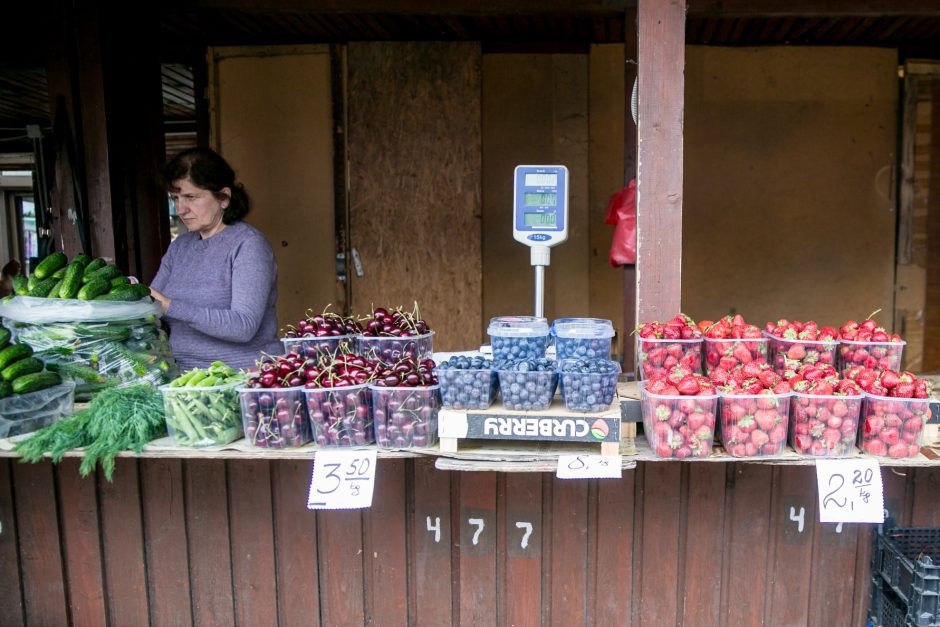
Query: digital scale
x=540 y=217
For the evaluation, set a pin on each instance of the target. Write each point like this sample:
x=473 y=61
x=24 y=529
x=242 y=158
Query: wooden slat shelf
x=508 y=455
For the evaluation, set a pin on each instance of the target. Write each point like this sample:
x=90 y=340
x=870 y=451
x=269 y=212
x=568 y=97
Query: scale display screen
x=540 y=199
x=538 y=179
x=538 y=219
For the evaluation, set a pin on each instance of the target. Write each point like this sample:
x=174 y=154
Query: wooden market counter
x=224 y=537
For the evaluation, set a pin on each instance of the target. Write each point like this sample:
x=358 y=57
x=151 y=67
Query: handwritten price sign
x=850 y=490
x=342 y=479
x=589 y=466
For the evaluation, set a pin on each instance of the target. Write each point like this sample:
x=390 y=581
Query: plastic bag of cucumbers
x=91 y=326
x=31 y=397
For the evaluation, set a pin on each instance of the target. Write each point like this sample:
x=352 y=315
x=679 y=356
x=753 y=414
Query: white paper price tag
x=850 y=490
x=342 y=479
x=589 y=466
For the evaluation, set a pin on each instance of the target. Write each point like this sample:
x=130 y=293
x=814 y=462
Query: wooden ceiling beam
x=813 y=8
x=420 y=7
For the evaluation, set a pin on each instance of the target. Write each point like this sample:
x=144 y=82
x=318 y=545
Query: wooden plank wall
x=414 y=182
x=174 y=542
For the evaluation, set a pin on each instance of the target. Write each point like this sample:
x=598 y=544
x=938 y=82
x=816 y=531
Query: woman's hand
x=164 y=301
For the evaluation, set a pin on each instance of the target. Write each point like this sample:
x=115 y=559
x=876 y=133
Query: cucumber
x=31 y=282
x=119 y=281
x=107 y=273
x=92 y=266
x=20 y=285
x=95 y=287
x=35 y=382
x=43 y=288
x=14 y=353
x=50 y=264
x=58 y=274
x=83 y=259
x=21 y=368
x=5 y=389
x=5 y=336
x=142 y=290
x=72 y=281
x=54 y=292
x=124 y=293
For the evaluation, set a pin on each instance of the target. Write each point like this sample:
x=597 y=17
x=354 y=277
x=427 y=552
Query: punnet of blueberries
x=588 y=384
x=528 y=384
x=518 y=337
x=582 y=337
x=467 y=382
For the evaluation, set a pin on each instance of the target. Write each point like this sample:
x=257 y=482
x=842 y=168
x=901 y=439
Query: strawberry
x=678 y=425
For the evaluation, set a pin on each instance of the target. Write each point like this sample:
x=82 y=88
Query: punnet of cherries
x=326 y=324
x=395 y=322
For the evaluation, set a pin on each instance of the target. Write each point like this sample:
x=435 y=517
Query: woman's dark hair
x=208 y=170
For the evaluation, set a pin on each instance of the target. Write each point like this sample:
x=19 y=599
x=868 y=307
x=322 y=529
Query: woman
x=217 y=282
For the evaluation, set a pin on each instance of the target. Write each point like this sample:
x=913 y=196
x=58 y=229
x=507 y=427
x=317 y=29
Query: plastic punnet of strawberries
x=679 y=408
x=868 y=344
x=894 y=411
x=755 y=409
x=663 y=345
x=794 y=343
x=731 y=341
x=824 y=410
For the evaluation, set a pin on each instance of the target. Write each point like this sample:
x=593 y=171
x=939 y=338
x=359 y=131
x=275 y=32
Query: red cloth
x=621 y=211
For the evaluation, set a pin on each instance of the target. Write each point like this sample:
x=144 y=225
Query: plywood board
x=414 y=182
x=535 y=111
x=785 y=212
x=273 y=121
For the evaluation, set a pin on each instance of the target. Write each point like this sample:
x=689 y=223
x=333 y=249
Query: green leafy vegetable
x=118 y=419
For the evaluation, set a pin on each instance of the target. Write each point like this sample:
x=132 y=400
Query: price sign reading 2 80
x=342 y=479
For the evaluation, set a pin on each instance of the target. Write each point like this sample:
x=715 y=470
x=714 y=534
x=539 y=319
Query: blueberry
x=528 y=384
x=589 y=384
x=467 y=382
x=572 y=348
x=516 y=348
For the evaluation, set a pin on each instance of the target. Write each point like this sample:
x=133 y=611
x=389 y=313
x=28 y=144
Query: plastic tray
x=390 y=349
x=203 y=416
x=341 y=416
x=313 y=347
x=25 y=413
x=468 y=388
x=274 y=417
x=405 y=417
x=655 y=356
x=665 y=416
x=588 y=392
x=812 y=426
x=754 y=425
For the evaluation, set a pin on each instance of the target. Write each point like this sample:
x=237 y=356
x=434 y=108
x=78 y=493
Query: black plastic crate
x=887 y=609
x=903 y=563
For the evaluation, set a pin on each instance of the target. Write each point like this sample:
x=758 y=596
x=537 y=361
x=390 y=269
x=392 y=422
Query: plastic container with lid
x=679 y=427
x=518 y=337
x=341 y=416
x=582 y=338
x=824 y=425
x=893 y=427
x=754 y=425
x=585 y=388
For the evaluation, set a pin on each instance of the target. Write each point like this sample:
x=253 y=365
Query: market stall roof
x=911 y=26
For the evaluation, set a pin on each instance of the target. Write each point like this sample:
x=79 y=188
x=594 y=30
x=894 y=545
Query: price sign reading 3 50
x=342 y=479
x=850 y=490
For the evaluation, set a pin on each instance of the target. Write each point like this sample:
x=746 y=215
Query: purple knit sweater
x=223 y=292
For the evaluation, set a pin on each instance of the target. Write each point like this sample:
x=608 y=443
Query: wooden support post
x=629 y=173
x=661 y=56
x=108 y=77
